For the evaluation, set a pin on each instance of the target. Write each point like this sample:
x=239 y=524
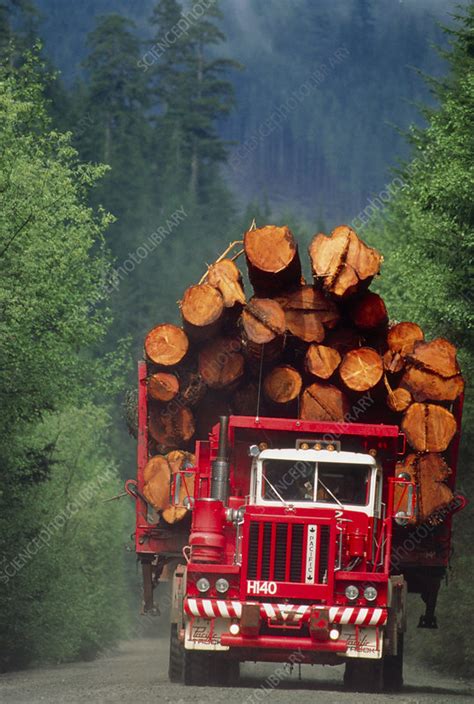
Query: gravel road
x=136 y=674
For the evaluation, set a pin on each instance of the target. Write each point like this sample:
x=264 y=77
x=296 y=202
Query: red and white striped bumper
x=286 y=613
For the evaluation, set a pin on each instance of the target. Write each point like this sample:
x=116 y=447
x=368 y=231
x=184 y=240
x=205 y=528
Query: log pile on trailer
x=296 y=348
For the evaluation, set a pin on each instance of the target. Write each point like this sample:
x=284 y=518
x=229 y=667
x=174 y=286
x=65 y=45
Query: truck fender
x=178 y=590
x=397 y=613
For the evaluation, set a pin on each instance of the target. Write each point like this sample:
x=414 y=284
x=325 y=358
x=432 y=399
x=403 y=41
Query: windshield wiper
x=329 y=492
x=275 y=491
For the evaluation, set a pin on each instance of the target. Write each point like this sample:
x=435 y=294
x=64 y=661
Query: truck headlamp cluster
x=222 y=585
x=352 y=592
x=203 y=585
x=370 y=593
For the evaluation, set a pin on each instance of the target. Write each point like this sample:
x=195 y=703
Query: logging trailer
x=299 y=546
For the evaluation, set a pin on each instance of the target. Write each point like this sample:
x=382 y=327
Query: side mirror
x=404 y=499
x=182 y=488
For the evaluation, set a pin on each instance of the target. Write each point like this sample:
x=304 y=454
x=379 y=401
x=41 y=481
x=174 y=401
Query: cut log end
x=361 y=369
x=171 y=425
x=402 y=337
x=428 y=427
x=272 y=259
x=342 y=263
x=322 y=361
x=202 y=306
x=166 y=345
x=283 y=384
x=226 y=277
x=162 y=386
x=324 y=402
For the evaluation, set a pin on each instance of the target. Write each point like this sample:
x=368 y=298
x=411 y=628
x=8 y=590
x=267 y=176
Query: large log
x=342 y=263
x=308 y=312
x=171 y=425
x=398 y=400
x=202 y=309
x=166 y=345
x=263 y=327
x=361 y=369
x=156 y=486
x=162 y=386
x=322 y=361
x=402 y=337
x=272 y=259
x=283 y=384
x=179 y=461
x=221 y=363
x=427 y=386
x=324 y=402
x=369 y=311
x=226 y=277
x=429 y=472
x=437 y=356
x=428 y=428
x=435 y=495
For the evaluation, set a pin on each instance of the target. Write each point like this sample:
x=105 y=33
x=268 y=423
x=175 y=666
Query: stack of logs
x=318 y=351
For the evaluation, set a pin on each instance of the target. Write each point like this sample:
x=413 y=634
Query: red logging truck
x=299 y=541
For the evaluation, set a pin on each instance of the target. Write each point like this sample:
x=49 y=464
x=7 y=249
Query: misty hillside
x=323 y=153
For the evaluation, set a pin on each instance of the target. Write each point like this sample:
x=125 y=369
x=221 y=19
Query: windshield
x=332 y=483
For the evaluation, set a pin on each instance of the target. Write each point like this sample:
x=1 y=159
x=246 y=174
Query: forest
x=127 y=163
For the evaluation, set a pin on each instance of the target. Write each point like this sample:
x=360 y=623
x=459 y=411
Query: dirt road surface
x=136 y=674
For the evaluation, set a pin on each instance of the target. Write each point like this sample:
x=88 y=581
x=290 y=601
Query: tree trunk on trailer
x=324 y=402
x=202 y=309
x=361 y=369
x=428 y=428
x=342 y=263
x=272 y=259
x=166 y=345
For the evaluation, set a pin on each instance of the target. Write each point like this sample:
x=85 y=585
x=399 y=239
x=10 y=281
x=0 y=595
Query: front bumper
x=303 y=626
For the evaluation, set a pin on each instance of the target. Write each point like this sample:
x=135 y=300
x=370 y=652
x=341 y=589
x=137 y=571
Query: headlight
x=222 y=585
x=351 y=592
x=203 y=584
x=370 y=593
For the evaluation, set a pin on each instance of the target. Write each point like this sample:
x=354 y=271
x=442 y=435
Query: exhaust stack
x=220 y=466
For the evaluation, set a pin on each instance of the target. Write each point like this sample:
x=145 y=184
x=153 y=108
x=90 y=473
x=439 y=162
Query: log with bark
x=263 y=328
x=433 y=372
x=163 y=386
x=308 y=313
x=342 y=263
x=369 y=311
x=202 y=310
x=171 y=425
x=225 y=276
x=221 y=364
x=272 y=259
x=430 y=473
x=166 y=345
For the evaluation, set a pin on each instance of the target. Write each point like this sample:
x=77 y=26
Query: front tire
x=176 y=657
x=207 y=669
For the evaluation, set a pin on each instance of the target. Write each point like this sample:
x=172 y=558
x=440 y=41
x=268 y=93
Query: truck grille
x=283 y=545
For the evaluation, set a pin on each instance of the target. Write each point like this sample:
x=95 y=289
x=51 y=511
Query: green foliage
x=62 y=573
x=427 y=237
x=61 y=599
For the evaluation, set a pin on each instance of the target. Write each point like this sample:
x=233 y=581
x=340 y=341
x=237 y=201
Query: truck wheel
x=175 y=667
x=363 y=675
x=207 y=669
x=393 y=669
